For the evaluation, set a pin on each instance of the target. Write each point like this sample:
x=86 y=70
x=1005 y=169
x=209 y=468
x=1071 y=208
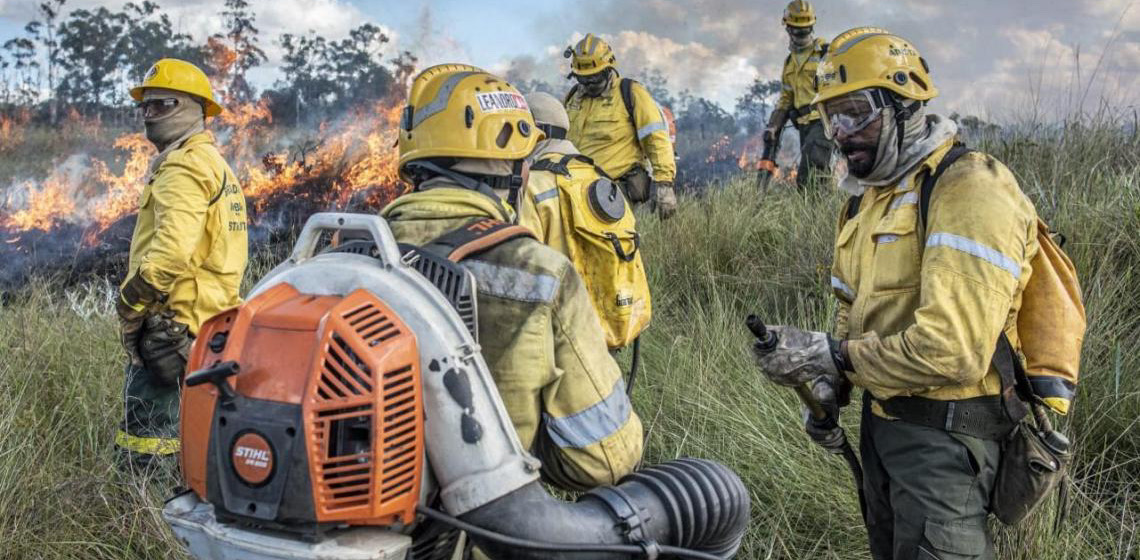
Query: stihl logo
x=253 y=457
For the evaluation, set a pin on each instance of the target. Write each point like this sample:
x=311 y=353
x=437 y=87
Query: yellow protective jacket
x=542 y=339
x=923 y=310
x=540 y=211
x=600 y=127
x=799 y=82
x=190 y=239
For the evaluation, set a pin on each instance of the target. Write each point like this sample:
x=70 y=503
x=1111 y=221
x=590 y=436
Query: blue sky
x=997 y=59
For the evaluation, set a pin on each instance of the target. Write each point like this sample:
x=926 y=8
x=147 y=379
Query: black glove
x=165 y=347
x=826 y=432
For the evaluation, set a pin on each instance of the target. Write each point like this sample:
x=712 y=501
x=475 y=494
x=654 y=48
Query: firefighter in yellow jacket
x=464 y=144
x=187 y=257
x=572 y=207
x=798 y=91
x=615 y=122
x=924 y=297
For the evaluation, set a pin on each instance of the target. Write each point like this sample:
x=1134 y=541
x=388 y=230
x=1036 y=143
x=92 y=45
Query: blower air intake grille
x=365 y=429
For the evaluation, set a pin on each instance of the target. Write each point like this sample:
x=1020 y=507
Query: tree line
x=86 y=59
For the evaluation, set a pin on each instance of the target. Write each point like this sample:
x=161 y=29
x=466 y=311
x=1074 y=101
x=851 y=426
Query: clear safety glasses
x=156 y=108
x=849 y=113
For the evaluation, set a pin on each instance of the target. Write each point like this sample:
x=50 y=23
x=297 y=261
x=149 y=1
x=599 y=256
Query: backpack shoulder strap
x=853 y=205
x=626 y=87
x=475 y=237
x=221 y=191
x=570 y=94
x=931 y=179
x=548 y=163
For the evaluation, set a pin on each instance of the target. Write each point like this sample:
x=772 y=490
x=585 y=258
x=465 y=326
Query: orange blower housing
x=322 y=423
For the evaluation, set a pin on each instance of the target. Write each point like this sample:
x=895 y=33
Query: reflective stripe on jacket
x=798 y=79
x=923 y=311
x=190 y=238
x=543 y=341
x=600 y=127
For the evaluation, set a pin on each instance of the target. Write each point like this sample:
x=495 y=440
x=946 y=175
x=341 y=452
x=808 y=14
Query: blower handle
x=766 y=341
x=388 y=252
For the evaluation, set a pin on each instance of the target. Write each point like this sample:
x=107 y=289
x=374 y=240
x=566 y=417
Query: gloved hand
x=139 y=294
x=130 y=330
x=800 y=357
x=826 y=433
x=165 y=347
x=666 y=199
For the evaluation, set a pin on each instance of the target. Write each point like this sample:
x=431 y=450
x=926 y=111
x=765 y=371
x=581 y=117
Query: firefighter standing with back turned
x=922 y=303
x=187 y=258
x=465 y=139
x=796 y=96
x=615 y=122
x=572 y=207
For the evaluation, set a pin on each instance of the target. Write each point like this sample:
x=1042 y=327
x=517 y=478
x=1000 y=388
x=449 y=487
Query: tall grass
x=733 y=251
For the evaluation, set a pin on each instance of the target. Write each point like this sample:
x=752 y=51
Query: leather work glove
x=826 y=433
x=130 y=331
x=665 y=199
x=165 y=347
x=799 y=357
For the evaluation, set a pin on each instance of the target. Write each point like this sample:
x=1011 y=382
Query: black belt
x=981 y=417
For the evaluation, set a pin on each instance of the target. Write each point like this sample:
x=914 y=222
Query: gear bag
x=1051 y=322
x=600 y=231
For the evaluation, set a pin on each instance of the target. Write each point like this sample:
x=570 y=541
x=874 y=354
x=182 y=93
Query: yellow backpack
x=1051 y=322
x=601 y=234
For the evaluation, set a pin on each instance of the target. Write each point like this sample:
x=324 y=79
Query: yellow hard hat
x=179 y=75
x=590 y=56
x=871 y=57
x=460 y=111
x=799 y=13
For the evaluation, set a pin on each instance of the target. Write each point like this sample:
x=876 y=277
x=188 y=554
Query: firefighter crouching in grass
x=464 y=141
x=923 y=303
x=615 y=122
x=187 y=257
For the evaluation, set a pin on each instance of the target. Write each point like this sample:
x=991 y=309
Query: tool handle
x=817 y=411
x=766 y=341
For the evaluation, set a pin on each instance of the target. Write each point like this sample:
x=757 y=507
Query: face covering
x=800 y=38
x=595 y=85
x=184 y=119
x=922 y=135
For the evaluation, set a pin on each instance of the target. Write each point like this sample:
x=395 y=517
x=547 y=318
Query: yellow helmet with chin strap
x=590 y=56
x=872 y=57
x=179 y=75
x=458 y=111
x=799 y=13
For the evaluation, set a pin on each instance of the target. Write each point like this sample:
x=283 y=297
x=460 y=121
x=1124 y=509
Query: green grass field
x=731 y=252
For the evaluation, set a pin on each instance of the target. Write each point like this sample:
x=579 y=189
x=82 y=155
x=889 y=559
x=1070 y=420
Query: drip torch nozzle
x=766 y=341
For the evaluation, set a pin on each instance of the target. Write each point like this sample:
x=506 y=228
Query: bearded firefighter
x=187 y=257
x=615 y=122
x=929 y=285
x=796 y=95
x=465 y=138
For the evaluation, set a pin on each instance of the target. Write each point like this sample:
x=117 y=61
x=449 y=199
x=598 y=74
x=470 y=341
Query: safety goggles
x=799 y=32
x=851 y=112
x=593 y=80
x=156 y=108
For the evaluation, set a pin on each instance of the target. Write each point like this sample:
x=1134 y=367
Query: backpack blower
x=344 y=411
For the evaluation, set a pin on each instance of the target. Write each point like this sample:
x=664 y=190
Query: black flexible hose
x=636 y=551
x=633 y=366
x=692 y=505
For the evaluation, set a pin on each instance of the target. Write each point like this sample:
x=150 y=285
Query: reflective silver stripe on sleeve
x=650 y=129
x=908 y=198
x=512 y=283
x=552 y=193
x=842 y=287
x=973 y=248
x=593 y=424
